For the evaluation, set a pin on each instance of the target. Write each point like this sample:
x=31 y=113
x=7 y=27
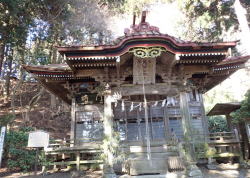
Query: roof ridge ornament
x=143 y=26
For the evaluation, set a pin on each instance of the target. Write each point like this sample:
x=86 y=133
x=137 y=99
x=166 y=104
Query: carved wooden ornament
x=147 y=52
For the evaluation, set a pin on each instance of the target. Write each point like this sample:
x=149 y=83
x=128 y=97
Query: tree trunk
x=2 y=47
x=32 y=102
x=244 y=140
x=20 y=82
x=9 y=71
x=54 y=57
x=242 y=19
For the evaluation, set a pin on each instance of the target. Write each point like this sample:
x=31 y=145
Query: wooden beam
x=58 y=91
x=160 y=89
x=195 y=68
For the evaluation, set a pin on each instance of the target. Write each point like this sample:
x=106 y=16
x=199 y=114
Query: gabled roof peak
x=143 y=26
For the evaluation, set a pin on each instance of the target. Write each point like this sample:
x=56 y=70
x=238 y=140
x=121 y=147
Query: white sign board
x=3 y=129
x=38 y=139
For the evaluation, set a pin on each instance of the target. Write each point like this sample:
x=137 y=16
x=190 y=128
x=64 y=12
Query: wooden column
x=192 y=169
x=166 y=122
x=229 y=122
x=78 y=161
x=151 y=122
x=126 y=122
x=204 y=118
x=139 y=125
x=108 y=133
x=73 y=121
x=186 y=122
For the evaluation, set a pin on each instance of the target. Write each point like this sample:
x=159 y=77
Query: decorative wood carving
x=144 y=67
x=147 y=52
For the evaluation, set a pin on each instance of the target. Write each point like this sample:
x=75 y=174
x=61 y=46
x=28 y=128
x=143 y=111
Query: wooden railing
x=74 y=152
x=67 y=143
x=217 y=137
x=71 y=152
x=227 y=144
x=223 y=137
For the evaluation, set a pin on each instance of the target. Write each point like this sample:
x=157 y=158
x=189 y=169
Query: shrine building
x=146 y=86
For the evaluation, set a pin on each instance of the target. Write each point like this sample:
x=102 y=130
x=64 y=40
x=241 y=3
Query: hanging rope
x=146 y=116
x=169 y=101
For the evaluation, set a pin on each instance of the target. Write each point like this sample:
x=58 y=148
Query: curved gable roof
x=145 y=35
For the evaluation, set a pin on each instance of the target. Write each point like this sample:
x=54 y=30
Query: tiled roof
x=234 y=59
x=144 y=30
x=49 y=67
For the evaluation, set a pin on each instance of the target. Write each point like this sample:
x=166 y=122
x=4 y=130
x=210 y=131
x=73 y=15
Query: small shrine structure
x=243 y=127
x=146 y=86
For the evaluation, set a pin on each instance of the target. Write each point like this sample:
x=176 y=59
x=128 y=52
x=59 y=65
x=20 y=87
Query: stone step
x=144 y=143
x=161 y=165
x=154 y=149
x=145 y=166
x=153 y=155
x=168 y=175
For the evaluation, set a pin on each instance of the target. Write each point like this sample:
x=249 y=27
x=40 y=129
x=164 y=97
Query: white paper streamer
x=170 y=101
x=163 y=103
x=123 y=105
x=132 y=106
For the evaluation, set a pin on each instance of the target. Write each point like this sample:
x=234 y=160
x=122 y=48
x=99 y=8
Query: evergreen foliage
x=217 y=124
x=208 y=20
x=19 y=157
x=7 y=119
x=244 y=111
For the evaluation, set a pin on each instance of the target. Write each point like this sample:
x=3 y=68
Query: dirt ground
x=61 y=174
x=219 y=173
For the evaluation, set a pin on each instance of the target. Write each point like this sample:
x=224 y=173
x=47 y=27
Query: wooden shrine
x=146 y=86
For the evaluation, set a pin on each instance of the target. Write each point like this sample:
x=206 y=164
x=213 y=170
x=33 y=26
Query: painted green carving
x=147 y=52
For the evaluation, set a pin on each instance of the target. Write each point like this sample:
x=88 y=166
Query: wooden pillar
x=192 y=169
x=166 y=122
x=151 y=122
x=78 y=161
x=73 y=122
x=108 y=133
x=229 y=122
x=126 y=122
x=186 y=122
x=139 y=125
x=204 y=118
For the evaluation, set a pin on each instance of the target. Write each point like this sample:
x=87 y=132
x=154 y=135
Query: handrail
x=62 y=143
x=219 y=137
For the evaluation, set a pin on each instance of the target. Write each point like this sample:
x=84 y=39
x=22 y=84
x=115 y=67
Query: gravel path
x=220 y=173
